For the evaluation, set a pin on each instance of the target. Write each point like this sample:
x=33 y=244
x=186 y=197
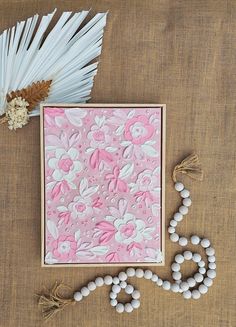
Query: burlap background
x=182 y=53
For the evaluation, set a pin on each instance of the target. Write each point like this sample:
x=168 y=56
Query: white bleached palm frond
x=29 y=53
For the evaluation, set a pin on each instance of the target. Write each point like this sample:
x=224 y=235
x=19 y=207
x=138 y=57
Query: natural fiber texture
x=53 y=301
x=33 y=94
x=182 y=53
x=3 y=119
x=190 y=166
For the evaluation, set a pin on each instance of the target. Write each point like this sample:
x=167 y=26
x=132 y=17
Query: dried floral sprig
x=17 y=113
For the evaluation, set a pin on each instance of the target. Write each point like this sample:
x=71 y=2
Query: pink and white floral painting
x=102 y=170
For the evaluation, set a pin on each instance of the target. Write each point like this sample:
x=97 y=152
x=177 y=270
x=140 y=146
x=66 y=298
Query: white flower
x=99 y=134
x=80 y=207
x=129 y=229
x=65 y=164
x=147 y=181
x=17 y=113
x=153 y=255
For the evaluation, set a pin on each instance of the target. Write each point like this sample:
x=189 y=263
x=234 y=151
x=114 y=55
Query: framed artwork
x=103 y=184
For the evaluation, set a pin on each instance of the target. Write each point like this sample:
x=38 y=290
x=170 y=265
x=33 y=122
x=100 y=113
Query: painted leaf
x=149 y=150
x=52 y=228
x=83 y=185
x=90 y=191
x=99 y=250
x=74 y=139
x=122 y=206
x=126 y=171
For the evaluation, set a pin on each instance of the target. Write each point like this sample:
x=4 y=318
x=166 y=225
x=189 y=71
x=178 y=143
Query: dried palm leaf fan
x=56 y=67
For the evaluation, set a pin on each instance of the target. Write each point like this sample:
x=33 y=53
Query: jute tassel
x=54 y=301
x=189 y=166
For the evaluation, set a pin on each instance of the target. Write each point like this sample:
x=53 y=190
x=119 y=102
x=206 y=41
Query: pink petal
x=105 y=226
x=56 y=190
x=94 y=159
x=106 y=237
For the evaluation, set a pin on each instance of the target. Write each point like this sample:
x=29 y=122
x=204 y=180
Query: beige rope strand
x=190 y=166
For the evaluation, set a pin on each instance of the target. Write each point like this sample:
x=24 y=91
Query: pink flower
x=138 y=130
x=64 y=247
x=99 y=137
x=134 y=248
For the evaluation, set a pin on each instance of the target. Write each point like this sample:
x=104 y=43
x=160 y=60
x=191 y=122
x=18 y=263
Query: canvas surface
x=102 y=177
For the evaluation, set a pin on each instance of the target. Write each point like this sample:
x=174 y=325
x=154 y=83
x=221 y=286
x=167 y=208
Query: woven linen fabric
x=182 y=53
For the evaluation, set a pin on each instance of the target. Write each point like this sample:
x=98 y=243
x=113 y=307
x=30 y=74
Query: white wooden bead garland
x=200 y=281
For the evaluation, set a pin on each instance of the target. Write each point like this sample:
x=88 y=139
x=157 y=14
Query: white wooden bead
x=116 y=280
x=139 y=273
x=91 y=286
x=78 y=296
x=175 y=266
x=123 y=284
x=187 y=202
x=122 y=276
x=175 y=288
x=184 y=286
x=116 y=289
x=183 y=210
x=212 y=265
x=178 y=216
x=173 y=223
x=205 y=243
x=171 y=230
x=184 y=193
x=113 y=302
x=154 y=278
x=211 y=258
x=202 y=270
x=210 y=251
x=211 y=273
x=128 y=307
x=99 y=281
x=130 y=272
x=166 y=285
x=108 y=280
x=159 y=282
x=195 y=239
x=129 y=289
x=203 y=289
x=120 y=308
x=183 y=241
x=196 y=257
x=135 y=304
x=188 y=255
x=174 y=237
x=84 y=291
x=207 y=281
x=187 y=294
x=196 y=294
x=179 y=186
x=201 y=263
x=191 y=282
x=176 y=275
x=147 y=274
x=179 y=258
x=136 y=294
x=198 y=277
x=113 y=295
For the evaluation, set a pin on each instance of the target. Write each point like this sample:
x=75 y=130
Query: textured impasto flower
x=65 y=164
x=138 y=130
x=129 y=229
x=64 y=248
x=80 y=207
x=153 y=255
x=99 y=134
